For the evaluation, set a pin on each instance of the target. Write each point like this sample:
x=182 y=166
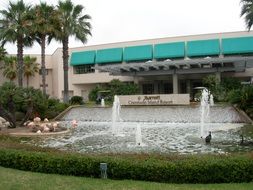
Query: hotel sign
x=155 y=99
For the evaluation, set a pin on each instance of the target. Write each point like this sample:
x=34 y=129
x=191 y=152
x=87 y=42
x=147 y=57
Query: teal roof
x=203 y=47
x=237 y=45
x=109 y=55
x=169 y=50
x=136 y=53
x=82 y=58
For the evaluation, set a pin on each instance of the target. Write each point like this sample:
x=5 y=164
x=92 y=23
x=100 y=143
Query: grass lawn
x=11 y=179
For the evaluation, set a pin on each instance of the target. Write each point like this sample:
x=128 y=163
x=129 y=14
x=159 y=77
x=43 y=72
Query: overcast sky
x=126 y=20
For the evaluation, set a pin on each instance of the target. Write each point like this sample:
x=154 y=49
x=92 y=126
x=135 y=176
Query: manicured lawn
x=11 y=179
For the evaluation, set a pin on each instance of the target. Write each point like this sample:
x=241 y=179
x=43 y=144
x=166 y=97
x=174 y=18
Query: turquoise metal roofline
x=135 y=53
x=203 y=47
x=237 y=45
x=83 y=57
x=154 y=40
x=110 y=55
x=195 y=48
x=169 y=50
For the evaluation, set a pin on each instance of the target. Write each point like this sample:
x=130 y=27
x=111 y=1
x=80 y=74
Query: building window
x=148 y=88
x=40 y=72
x=82 y=69
x=167 y=88
x=41 y=85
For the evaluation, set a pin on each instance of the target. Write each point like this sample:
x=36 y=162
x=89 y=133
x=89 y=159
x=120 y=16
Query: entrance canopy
x=185 y=66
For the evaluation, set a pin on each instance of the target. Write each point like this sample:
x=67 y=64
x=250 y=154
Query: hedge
x=191 y=169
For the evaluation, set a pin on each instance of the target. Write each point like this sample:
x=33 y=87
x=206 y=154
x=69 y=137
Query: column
x=175 y=83
x=156 y=87
x=188 y=86
x=218 y=76
x=96 y=71
x=136 y=80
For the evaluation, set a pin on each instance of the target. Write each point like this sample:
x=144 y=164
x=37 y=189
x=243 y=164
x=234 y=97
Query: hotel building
x=159 y=66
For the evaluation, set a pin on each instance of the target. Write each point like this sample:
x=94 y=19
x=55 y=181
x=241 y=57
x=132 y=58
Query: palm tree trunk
x=65 y=56
x=43 y=64
x=7 y=116
x=27 y=81
x=20 y=61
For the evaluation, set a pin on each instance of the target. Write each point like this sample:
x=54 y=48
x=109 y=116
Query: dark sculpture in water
x=208 y=137
x=244 y=143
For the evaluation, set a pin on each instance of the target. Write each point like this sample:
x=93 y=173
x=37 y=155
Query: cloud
x=121 y=20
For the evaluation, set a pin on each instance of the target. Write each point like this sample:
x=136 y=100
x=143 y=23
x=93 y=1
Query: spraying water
x=115 y=115
x=138 y=136
x=102 y=102
x=211 y=100
x=206 y=102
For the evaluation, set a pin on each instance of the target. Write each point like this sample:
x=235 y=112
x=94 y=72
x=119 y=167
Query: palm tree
x=30 y=68
x=15 y=28
x=247 y=12
x=72 y=23
x=10 y=67
x=2 y=56
x=2 y=53
x=44 y=24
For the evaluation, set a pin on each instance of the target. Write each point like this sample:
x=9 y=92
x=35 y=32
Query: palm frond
x=247 y=12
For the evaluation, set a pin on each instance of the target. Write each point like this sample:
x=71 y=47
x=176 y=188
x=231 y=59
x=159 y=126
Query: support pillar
x=218 y=76
x=156 y=87
x=175 y=83
x=96 y=71
x=188 y=86
x=136 y=80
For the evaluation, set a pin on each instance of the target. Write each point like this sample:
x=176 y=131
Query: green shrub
x=50 y=114
x=94 y=93
x=52 y=102
x=231 y=84
x=115 y=87
x=191 y=169
x=211 y=82
x=243 y=98
x=19 y=116
x=39 y=100
x=55 y=107
x=76 y=100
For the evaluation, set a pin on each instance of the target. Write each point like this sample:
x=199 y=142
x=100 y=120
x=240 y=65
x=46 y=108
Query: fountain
x=138 y=136
x=206 y=101
x=116 y=116
x=211 y=100
x=162 y=129
x=103 y=102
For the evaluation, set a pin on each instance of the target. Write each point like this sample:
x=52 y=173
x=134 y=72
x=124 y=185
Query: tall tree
x=30 y=68
x=72 y=23
x=15 y=27
x=10 y=67
x=2 y=53
x=2 y=56
x=44 y=24
x=247 y=12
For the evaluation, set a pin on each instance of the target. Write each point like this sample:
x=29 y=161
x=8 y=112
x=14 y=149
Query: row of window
x=82 y=69
x=165 y=88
